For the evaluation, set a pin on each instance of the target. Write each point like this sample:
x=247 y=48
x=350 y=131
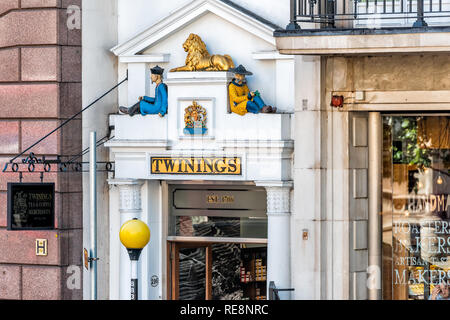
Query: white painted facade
x=317 y=181
x=150 y=34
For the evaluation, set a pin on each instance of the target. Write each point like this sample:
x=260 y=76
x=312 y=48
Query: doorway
x=217 y=270
x=191 y=266
x=217 y=242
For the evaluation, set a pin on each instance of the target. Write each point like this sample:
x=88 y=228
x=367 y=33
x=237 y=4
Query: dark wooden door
x=189 y=271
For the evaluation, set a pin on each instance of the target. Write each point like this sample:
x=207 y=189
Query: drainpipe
x=93 y=212
x=375 y=228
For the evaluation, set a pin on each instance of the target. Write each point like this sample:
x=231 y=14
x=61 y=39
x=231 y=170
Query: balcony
x=262 y=141
x=229 y=129
x=366 y=27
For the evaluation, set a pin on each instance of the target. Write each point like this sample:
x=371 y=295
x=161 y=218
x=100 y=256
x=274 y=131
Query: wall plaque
x=31 y=206
x=41 y=247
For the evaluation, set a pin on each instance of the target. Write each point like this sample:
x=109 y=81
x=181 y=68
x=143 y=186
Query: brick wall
x=40 y=86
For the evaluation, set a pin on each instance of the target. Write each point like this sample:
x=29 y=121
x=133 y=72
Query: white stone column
x=129 y=207
x=278 y=236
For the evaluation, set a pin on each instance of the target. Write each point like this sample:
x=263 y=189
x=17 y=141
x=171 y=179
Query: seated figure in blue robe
x=149 y=105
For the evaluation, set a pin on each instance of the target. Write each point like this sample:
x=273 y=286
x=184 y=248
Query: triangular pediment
x=189 y=13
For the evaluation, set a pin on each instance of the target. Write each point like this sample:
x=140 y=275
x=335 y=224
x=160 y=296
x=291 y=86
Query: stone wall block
x=20 y=247
x=40 y=283
x=71 y=64
x=70 y=182
x=10 y=280
x=359 y=183
x=359 y=260
x=359 y=288
x=70 y=99
x=359 y=209
x=41 y=64
x=67 y=3
x=71 y=210
x=71 y=143
x=74 y=240
x=40 y=3
x=359 y=235
x=9 y=136
x=3 y=209
x=9 y=65
x=29 y=101
x=29 y=27
x=32 y=131
x=6 y=5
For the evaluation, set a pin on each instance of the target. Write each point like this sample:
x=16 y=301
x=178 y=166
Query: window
x=416 y=207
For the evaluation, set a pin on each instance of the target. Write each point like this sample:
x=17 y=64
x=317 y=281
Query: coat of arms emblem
x=195 y=119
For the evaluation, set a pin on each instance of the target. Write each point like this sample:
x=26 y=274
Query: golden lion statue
x=199 y=59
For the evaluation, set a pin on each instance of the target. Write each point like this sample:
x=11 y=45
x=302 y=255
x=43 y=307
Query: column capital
x=278 y=196
x=129 y=194
x=275 y=183
x=122 y=182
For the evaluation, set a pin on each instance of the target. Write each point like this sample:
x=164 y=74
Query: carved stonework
x=130 y=197
x=278 y=200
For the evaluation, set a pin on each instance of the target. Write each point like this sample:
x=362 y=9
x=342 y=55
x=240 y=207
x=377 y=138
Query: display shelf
x=253 y=273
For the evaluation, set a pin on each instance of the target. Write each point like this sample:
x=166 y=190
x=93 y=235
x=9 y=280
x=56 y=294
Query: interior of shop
x=415 y=206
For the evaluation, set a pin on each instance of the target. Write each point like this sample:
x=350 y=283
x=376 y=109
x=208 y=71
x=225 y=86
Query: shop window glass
x=416 y=207
x=206 y=226
x=192 y=273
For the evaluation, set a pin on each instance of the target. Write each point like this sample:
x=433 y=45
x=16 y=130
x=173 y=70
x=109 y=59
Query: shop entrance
x=217 y=271
x=217 y=242
x=190 y=264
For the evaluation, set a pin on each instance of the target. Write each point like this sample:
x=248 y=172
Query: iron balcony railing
x=351 y=14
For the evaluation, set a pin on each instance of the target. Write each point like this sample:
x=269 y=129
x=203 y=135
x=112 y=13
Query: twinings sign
x=31 y=206
x=196 y=165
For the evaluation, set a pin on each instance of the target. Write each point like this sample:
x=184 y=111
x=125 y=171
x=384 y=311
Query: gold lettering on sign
x=196 y=165
x=229 y=199
x=212 y=198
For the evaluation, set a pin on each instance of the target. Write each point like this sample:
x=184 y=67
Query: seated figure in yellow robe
x=242 y=100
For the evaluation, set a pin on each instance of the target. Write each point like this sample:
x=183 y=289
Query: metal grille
x=370 y=13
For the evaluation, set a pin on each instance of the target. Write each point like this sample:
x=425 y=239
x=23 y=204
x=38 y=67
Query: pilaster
x=130 y=206
x=278 y=235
